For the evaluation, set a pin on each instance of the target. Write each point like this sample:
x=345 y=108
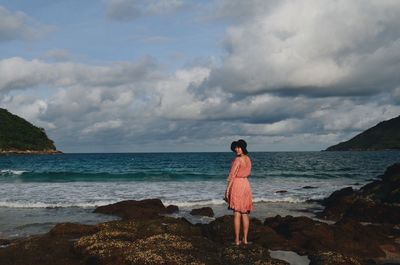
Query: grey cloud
x=18 y=73
x=17 y=25
x=314 y=48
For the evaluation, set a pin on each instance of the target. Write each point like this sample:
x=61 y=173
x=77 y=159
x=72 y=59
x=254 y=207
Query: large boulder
x=385 y=190
x=377 y=202
x=131 y=209
x=306 y=236
x=204 y=211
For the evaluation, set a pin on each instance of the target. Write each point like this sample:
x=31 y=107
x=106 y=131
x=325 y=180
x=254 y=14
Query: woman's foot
x=237 y=243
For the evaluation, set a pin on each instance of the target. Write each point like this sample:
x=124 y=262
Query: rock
x=139 y=242
x=253 y=255
x=4 y=242
x=338 y=196
x=204 y=211
x=332 y=258
x=131 y=209
x=309 y=187
x=281 y=191
x=377 y=202
x=370 y=211
x=172 y=209
x=385 y=190
x=72 y=229
x=48 y=249
x=306 y=236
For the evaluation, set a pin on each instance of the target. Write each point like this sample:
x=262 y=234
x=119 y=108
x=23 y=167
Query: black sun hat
x=242 y=144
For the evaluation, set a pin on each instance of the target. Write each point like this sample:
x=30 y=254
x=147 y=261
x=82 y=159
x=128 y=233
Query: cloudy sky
x=180 y=75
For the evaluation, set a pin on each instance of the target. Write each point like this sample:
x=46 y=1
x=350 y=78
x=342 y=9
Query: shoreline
x=30 y=152
x=42 y=220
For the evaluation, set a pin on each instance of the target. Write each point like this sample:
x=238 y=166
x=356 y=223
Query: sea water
x=38 y=191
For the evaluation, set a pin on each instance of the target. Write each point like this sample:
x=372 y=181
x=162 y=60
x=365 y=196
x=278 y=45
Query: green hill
x=19 y=136
x=383 y=136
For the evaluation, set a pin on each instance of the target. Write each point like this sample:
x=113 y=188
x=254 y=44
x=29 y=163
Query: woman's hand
x=226 y=196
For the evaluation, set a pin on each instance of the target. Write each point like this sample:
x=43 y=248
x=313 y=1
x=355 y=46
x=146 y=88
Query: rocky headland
x=363 y=228
x=18 y=136
x=383 y=136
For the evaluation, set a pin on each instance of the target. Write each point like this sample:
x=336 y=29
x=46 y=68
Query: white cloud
x=17 y=25
x=103 y=126
x=313 y=47
x=280 y=128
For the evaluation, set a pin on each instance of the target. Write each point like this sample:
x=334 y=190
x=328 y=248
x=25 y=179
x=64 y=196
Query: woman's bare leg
x=246 y=224
x=236 y=221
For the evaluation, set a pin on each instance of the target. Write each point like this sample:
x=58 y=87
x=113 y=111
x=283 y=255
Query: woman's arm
x=232 y=174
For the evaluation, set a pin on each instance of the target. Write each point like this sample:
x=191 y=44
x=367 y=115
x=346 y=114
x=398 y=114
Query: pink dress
x=239 y=190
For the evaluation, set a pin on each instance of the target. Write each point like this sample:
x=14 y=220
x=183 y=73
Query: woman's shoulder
x=242 y=160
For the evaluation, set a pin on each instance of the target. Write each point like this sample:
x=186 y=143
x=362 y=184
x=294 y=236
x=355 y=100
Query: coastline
x=30 y=152
x=360 y=227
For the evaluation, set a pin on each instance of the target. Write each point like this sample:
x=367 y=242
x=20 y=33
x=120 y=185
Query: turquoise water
x=152 y=167
x=86 y=180
x=38 y=191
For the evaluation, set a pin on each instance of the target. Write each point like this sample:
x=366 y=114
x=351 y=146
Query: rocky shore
x=364 y=229
x=30 y=152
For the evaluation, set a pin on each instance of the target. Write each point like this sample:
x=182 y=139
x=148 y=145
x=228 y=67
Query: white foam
x=284 y=199
x=53 y=205
x=12 y=172
x=192 y=204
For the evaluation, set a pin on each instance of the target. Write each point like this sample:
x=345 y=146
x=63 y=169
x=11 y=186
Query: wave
x=10 y=172
x=70 y=176
x=187 y=204
x=54 y=205
x=66 y=176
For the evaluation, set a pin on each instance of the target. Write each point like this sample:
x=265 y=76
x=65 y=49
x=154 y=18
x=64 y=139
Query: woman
x=238 y=191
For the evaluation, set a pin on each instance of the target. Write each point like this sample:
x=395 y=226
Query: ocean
x=39 y=191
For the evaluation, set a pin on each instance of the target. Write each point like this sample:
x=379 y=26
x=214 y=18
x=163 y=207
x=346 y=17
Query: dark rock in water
x=338 y=195
x=204 y=211
x=386 y=190
x=172 y=209
x=309 y=187
x=4 y=242
x=337 y=204
x=377 y=202
x=281 y=191
x=131 y=209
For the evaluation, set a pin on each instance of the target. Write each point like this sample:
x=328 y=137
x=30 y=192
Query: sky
x=193 y=76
